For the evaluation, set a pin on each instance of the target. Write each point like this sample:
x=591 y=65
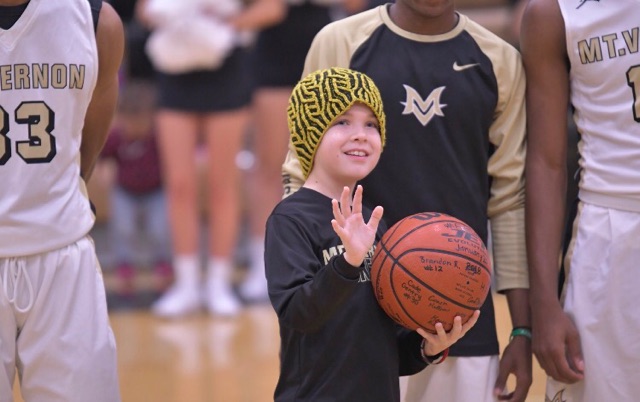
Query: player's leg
x=600 y=295
x=66 y=349
x=225 y=133
x=271 y=136
x=177 y=140
x=457 y=379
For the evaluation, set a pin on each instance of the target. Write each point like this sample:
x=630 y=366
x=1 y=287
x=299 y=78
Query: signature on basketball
x=412 y=292
x=473 y=269
x=437 y=304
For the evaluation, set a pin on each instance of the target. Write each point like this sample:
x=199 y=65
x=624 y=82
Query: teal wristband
x=520 y=331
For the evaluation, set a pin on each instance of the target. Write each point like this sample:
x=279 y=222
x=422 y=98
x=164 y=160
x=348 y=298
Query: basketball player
x=454 y=99
x=337 y=344
x=586 y=56
x=58 y=90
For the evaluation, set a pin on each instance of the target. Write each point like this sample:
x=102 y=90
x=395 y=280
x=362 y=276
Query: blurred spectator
x=199 y=48
x=136 y=64
x=137 y=199
x=278 y=59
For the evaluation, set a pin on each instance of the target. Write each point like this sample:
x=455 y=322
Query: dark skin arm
x=516 y=358
x=110 y=41
x=556 y=342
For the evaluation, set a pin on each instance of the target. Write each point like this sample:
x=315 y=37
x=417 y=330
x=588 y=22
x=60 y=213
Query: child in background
x=336 y=341
x=137 y=196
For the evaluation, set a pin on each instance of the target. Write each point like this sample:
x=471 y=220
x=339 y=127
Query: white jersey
x=45 y=88
x=603 y=40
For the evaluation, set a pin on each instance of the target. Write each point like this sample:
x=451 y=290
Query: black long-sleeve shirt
x=337 y=344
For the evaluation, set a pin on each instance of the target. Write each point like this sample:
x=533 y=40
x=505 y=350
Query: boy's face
x=351 y=147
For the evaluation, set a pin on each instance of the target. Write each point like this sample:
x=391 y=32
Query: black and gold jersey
x=456 y=134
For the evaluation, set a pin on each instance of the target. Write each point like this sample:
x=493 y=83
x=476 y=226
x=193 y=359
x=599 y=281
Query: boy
x=337 y=343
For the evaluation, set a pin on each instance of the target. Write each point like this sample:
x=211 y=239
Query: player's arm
x=292 y=177
x=544 y=51
x=506 y=168
x=110 y=42
x=506 y=212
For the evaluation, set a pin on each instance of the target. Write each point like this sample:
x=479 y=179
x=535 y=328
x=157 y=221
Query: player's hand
x=436 y=343
x=357 y=235
x=556 y=344
x=516 y=360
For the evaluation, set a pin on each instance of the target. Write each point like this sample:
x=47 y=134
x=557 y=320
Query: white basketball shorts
x=54 y=328
x=603 y=286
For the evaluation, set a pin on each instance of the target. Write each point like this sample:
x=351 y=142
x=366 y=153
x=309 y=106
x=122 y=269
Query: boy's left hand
x=436 y=343
x=357 y=236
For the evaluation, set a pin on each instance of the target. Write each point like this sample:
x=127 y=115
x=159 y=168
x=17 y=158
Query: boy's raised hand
x=436 y=343
x=357 y=235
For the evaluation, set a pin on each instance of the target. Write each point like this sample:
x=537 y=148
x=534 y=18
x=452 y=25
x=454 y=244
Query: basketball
x=429 y=268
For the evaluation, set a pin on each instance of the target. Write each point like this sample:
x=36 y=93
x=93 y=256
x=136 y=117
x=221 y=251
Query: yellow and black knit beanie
x=319 y=98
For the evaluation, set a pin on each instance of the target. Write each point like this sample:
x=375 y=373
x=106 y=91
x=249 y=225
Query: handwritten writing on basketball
x=429 y=268
x=412 y=291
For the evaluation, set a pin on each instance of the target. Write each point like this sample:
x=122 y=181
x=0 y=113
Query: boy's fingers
x=357 y=200
x=376 y=216
x=345 y=205
x=337 y=228
x=337 y=214
x=471 y=322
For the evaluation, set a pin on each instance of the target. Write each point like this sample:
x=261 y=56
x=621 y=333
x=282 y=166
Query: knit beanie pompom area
x=319 y=98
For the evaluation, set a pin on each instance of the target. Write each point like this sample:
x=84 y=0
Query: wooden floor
x=206 y=359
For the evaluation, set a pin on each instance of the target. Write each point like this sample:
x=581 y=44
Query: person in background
x=336 y=341
x=454 y=99
x=136 y=64
x=200 y=53
x=278 y=60
x=60 y=62
x=582 y=56
x=138 y=191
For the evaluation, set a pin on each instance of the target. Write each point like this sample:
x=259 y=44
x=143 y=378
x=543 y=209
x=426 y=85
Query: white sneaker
x=254 y=287
x=221 y=300
x=178 y=301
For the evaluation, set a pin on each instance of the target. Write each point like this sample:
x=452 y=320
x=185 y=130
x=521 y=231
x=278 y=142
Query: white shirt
x=48 y=70
x=603 y=39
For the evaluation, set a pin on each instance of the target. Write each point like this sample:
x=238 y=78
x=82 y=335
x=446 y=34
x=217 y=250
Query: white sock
x=220 y=296
x=220 y=270
x=187 y=270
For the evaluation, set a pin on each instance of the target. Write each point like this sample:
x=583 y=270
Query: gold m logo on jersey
x=423 y=109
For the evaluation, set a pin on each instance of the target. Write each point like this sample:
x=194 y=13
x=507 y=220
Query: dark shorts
x=227 y=88
x=280 y=51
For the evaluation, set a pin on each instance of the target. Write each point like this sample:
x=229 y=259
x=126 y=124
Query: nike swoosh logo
x=457 y=67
